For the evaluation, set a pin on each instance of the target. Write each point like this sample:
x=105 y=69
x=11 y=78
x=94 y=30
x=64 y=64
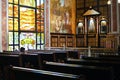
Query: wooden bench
x=29 y=61
x=60 y=56
x=20 y=73
x=9 y=59
x=114 y=64
x=102 y=58
x=5 y=61
x=73 y=54
x=109 y=56
x=35 y=60
x=43 y=57
x=91 y=72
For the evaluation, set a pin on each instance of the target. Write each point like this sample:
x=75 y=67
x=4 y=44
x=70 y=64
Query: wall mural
x=61 y=16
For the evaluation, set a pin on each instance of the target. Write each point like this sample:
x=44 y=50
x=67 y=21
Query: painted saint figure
x=103 y=26
x=59 y=24
x=67 y=23
x=91 y=25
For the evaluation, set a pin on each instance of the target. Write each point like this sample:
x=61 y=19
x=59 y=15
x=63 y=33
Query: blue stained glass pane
x=38 y=47
x=16 y=37
x=10 y=37
x=38 y=38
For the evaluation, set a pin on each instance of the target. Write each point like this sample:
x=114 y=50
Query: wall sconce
x=80 y=27
x=109 y=2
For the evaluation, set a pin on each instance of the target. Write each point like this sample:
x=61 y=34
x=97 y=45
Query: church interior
x=60 y=39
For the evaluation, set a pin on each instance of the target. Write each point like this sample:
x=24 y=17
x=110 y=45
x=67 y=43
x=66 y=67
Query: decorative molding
x=47 y=23
x=0 y=25
x=4 y=24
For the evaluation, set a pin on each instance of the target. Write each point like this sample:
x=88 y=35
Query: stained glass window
x=26 y=24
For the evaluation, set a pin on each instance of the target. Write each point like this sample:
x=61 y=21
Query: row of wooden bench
x=88 y=69
x=43 y=61
x=33 y=60
x=112 y=61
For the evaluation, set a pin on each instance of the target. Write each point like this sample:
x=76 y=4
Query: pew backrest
x=29 y=60
x=115 y=65
x=60 y=56
x=91 y=72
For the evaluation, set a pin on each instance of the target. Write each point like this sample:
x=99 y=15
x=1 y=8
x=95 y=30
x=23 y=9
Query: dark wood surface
x=115 y=65
x=20 y=73
x=91 y=72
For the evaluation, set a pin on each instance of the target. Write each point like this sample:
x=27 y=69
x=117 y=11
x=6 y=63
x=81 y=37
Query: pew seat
x=20 y=73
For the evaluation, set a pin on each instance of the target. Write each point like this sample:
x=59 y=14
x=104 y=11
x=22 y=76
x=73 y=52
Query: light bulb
x=108 y=2
x=118 y=1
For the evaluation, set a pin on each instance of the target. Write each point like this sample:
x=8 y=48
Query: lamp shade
x=91 y=12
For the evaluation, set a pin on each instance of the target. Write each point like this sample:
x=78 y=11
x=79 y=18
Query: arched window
x=26 y=24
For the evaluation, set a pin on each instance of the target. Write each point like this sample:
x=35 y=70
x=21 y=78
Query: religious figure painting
x=103 y=26
x=91 y=25
x=61 y=16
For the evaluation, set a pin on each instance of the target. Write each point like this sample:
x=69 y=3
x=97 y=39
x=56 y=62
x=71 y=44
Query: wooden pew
x=110 y=57
x=39 y=51
x=102 y=58
x=35 y=60
x=20 y=73
x=60 y=56
x=5 y=61
x=9 y=59
x=91 y=72
x=115 y=56
x=10 y=52
x=73 y=54
x=43 y=57
x=114 y=64
x=29 y=61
